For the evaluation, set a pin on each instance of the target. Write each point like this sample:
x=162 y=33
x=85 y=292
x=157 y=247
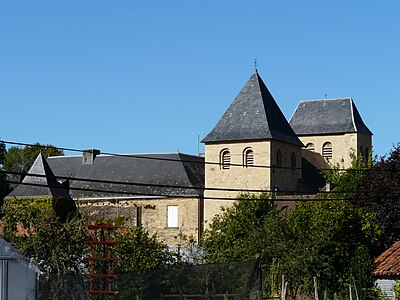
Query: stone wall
x=265 y=175
x=153 y=215
x=342 y=145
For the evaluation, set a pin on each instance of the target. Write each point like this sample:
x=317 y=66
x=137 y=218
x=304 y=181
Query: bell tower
x=252 y=147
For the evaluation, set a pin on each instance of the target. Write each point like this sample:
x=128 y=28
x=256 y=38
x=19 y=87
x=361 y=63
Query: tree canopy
x=327 y=239
x=379 y=192
x=59 y=246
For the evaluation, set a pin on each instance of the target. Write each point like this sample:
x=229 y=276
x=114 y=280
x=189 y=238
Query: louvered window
x=310 y=147
x=327 y=151
x=225 y=159
x=248 y=158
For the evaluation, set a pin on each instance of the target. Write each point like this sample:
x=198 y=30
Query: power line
x=273 y=199
x=125 y=183
x=177 y=160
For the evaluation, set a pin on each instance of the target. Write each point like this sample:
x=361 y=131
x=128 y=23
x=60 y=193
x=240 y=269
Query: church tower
x=333 y=128
x=252 y=147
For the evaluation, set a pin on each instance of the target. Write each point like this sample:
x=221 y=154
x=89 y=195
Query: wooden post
x=350 y=292
x=315 y=288
x=355 y=289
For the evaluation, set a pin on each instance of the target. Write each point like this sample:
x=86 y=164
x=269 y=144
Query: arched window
x=225 y=159
x=327 y=151
x=310 y=147
x=279 y=158
x=293 y=161
x=248 y=157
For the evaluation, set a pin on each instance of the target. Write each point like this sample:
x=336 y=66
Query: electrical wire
x=125 y=183
x=272 y=198
x=180 y=160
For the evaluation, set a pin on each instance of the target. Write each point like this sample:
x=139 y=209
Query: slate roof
x=328 y=116
x=253 y=115
x=174 y=169
x=45 y=185
x=388 y=263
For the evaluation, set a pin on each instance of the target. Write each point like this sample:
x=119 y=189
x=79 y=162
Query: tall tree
x=327 y=239
x=330 y=240
x=379 y=192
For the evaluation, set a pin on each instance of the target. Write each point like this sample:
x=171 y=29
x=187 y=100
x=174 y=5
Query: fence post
x=316 y=288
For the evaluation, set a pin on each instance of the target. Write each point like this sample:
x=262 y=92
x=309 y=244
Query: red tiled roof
x=388 y=263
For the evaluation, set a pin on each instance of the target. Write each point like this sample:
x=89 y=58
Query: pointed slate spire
x=253 y=115
x=45 y=185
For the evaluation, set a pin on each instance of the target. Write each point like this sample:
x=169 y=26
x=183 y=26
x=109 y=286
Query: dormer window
x=248 y=157
x=327 y=151
x=225 y=159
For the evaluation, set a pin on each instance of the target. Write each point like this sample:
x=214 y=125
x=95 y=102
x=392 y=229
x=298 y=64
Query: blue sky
x=150 y=76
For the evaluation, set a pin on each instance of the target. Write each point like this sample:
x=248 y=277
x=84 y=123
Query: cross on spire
x=255 y=64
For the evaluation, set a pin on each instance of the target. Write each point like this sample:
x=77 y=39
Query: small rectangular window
x=172 y=217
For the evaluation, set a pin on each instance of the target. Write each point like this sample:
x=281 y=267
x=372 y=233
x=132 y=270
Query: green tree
x=20 y=160
x=248 y=229
x=237 y=234
x=345 y=182
x=138 y=250
x=330 y=240
x=327 y=239
x=33 y=227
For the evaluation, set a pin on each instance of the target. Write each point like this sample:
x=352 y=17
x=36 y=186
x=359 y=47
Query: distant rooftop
x=161 y=170
x=388 y=263
x=145 y=175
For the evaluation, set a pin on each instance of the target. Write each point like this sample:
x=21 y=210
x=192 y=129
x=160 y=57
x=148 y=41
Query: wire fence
x=190 y=282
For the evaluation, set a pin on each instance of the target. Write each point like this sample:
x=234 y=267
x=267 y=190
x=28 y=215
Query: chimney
x=89 y=155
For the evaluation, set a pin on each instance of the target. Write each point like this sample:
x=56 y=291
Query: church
x=252 y=148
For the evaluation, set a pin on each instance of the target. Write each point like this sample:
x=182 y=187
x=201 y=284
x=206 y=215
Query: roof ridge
x=328 y=99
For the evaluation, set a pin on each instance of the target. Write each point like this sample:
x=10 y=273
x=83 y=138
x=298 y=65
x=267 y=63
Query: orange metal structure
x=101 y=262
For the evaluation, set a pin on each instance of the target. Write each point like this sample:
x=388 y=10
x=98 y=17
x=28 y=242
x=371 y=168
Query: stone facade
x=153 y=216
x=343 y=146
x=265 y=174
